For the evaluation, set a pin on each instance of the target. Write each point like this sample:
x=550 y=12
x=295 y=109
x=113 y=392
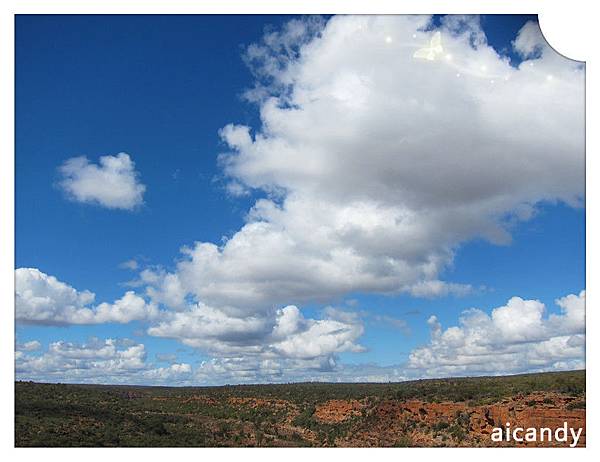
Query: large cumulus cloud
x=282 y=333
x=377 y=165
x=43 y=299
x=371 y=167
x=98 y=361
x=516 y=337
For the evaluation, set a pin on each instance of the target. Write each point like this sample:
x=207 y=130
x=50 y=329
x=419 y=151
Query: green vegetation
x=404 y=442
x=576 y=405
x=486 y=390
x=258 y=415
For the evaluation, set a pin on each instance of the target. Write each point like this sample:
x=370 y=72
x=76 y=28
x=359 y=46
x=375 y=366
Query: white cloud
x=520 y=320
x=252 y=370
x=98 y=361
x=437 y=288
x=132 y=265
x=572 y=318
x=210 y=328
x=515 y=338
x=113 y=183
x=375 y=167
x=283 y=333
x=32 y=345
x=300 y=349
x=163 y=288
x=43 y=299
x=175 y=372
x=530 y=41
x=309 y=339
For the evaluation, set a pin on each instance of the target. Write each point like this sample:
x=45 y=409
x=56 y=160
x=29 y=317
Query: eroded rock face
x=323 y=415
x=258 y=402
x=338 y=410
x=419 y=423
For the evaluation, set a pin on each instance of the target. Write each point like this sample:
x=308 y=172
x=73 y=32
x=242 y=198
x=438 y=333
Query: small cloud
x=112 y=183
x=530 y=42
x=130 y=265
x=436 y=288
x=166 y=357
x=33 y=345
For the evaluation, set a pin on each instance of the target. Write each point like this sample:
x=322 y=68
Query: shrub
x=441 y=425
x=404 y=442
x=576 y=405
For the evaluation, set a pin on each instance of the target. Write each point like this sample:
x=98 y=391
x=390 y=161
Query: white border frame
x=568 y=27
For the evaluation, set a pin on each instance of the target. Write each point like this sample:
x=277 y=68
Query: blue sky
x=161 y=89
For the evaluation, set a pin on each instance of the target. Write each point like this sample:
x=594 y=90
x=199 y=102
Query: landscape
x=425 y=413
x=298 y=231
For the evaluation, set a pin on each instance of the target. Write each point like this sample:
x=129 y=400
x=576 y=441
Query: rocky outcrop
x=421 y=423
x=338 y=410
